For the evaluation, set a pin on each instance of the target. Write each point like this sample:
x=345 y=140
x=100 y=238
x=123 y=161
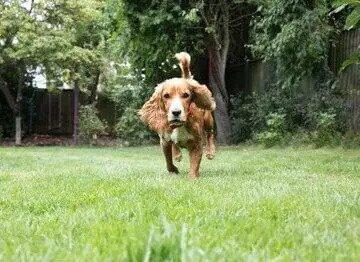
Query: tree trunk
x=15 y=106
x=18 y=107
x=94 y=92
x=18 y=130
x=217 y=67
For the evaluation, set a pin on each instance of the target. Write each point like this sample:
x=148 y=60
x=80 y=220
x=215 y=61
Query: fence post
x=75 y=112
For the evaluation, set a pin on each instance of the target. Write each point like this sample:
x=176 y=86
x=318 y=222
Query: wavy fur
x=202 y=96
x=152 y=112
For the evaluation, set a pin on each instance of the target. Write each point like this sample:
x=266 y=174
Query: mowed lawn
x=97 y=204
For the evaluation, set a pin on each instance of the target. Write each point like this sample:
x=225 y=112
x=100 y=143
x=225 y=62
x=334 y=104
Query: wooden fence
x=52 y=113
x=349 y=79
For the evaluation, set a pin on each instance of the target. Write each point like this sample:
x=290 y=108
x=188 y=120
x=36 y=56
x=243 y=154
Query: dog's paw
x=194 y=176
x=173 y=171
x=210 y=156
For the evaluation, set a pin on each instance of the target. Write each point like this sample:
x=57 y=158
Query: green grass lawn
x=120 y=204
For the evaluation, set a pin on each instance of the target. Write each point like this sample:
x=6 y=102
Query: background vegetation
x=119 y=50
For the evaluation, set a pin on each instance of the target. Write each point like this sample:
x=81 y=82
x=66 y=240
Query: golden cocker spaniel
x=180 y=111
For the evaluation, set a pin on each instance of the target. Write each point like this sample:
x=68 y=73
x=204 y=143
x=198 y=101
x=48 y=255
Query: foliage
x=298 y=110
x=1 y=133
x=90 y=126
x=353 y=18
x=241 y=117
x=275 y=130
x=125 y=87
x=52 y=33
x=131 y=131
x=127 y=90
x=326 y=130
x=294 y=35
x=286 y=204
x=354 y=59
x=352 y=22
x=156 y=31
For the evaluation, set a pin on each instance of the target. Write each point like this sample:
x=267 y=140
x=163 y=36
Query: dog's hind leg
x=195 y=154
x=209 y=133
x=210 y=145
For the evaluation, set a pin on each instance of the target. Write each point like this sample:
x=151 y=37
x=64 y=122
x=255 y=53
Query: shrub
x=326 y=132
x=297 y=139
x=276 y=130
x=1 y=133
x=241 y=118
x=90 y=126
x=250 y=114
x=131 y=131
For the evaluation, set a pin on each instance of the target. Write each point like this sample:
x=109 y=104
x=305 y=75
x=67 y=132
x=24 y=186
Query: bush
x=1 y=133
x=276 y=130
x=326 y=132
x=131 y=131
x=241 y=118
x=251 y=113
x=297 y=139
x=90 y=126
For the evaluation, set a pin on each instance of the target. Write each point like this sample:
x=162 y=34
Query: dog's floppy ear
x=202 y=96
x=152 y=113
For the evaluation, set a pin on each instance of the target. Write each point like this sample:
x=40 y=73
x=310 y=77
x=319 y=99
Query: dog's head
x=170 y=103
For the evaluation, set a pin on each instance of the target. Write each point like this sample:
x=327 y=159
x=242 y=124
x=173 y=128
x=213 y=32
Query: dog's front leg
x=176 y=152
x=195 y=153
x=167 y=149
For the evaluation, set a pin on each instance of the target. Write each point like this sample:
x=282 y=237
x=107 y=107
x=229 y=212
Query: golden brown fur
x=180 y=112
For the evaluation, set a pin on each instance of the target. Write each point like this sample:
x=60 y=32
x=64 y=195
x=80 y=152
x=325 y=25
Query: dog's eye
x=185 y=95
x=166 y=96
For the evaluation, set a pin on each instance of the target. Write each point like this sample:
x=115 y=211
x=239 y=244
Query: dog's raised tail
x=184 y=63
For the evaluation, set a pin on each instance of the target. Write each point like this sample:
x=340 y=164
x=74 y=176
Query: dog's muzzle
x=176 y=113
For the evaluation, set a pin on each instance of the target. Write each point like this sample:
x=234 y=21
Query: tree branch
x=235 y=21
x=31 y=6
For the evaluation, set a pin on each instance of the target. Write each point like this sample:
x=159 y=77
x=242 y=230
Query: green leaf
x=353 y=19
x=338 y=3
x=338 y=9
x=354 y=59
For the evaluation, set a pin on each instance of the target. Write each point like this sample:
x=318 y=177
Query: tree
x=52 y=34
x=162 y=28
x=219 y=17
x=275 y=38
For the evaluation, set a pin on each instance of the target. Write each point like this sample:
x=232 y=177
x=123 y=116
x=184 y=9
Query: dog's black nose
x=176 y=112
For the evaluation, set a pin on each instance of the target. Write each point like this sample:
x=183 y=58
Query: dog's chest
x=179 y=135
